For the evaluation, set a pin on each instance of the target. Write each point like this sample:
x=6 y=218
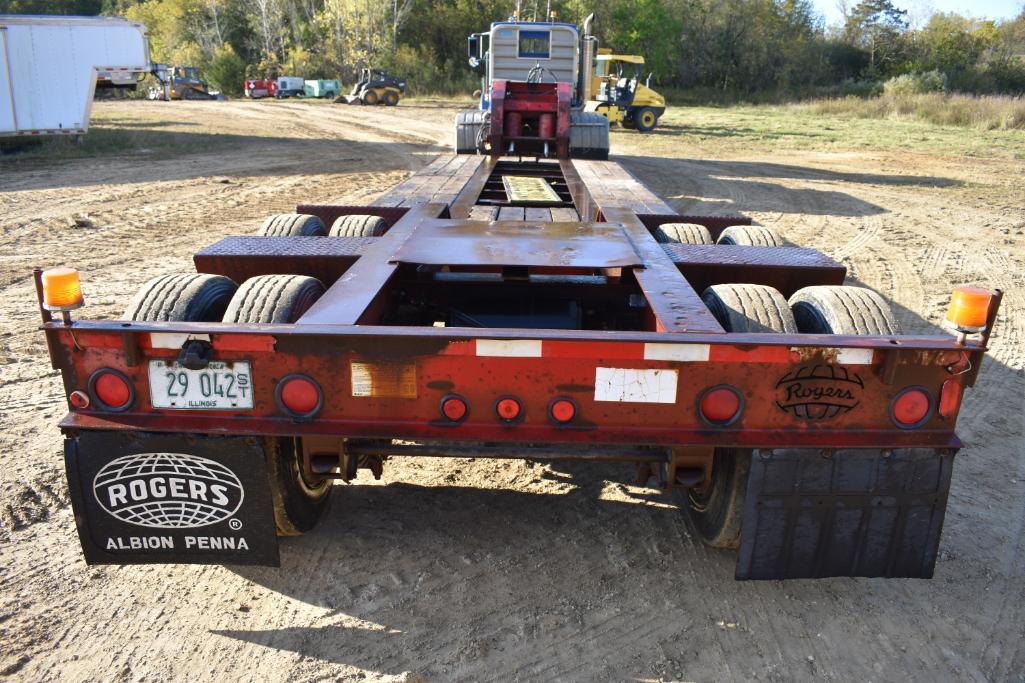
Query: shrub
x=916 y=83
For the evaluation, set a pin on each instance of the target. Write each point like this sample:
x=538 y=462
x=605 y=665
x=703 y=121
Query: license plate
x=218 y=386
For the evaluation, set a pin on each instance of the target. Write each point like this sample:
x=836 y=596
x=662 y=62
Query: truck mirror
x=473 y=48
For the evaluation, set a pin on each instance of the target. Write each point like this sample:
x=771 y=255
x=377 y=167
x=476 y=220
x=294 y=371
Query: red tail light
x=454 y=408
x=911 y=407
x=111 y=390
x=508 y=409
x=562 y=410
x=720 y=405
x=299 y=396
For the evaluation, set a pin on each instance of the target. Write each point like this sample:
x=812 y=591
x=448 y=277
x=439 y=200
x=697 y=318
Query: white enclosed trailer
x=49 y=65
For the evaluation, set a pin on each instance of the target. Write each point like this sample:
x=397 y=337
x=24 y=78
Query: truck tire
x=645 y=119
x=298 y=504
x=683 y=233
x=838 y=309
x=358 y=225
x=468 y=125
x=588 y=135
x=273 y=299
x=717 y=510
x=750 y=308
x=751 y=236
x=391 y=98
x=182 y=297
x=370 y=98
x=292 y=225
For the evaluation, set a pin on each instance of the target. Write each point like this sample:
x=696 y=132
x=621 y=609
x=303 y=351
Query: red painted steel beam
x=350 y=297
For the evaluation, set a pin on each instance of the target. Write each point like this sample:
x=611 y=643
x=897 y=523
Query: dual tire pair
x=195 y=297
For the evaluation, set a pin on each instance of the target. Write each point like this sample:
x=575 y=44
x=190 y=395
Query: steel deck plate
x=518 y=243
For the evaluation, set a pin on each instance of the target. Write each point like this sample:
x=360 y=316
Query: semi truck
x=514 y=301
x=50 y=67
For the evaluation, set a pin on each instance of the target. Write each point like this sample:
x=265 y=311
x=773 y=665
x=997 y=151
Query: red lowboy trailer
x=491 y=307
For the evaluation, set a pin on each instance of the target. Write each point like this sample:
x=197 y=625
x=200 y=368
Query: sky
x=920 y=10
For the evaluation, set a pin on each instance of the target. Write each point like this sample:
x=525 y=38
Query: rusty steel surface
x=356 y=291
x=518 y=243
x=240 y=258
x=787 y=269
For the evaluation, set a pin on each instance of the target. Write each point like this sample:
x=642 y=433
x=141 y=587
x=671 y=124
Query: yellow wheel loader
x=618 y=93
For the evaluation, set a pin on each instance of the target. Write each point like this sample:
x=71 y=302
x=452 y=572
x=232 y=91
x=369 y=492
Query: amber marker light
x=62 y=290
x=969 y=309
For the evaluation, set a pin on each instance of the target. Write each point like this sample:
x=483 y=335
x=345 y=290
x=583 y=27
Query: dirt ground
x=482 y=570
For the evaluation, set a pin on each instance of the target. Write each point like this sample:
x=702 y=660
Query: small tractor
x=375 y=86
x=620 y=96
x=180 y=83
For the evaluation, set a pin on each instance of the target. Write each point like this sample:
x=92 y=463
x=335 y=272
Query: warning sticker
x=628 y=385
x=384 y=380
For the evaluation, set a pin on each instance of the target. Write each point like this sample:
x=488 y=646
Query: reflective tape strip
x=509 y=348
x=173 y=340
x=855 y=356
x=841 y=356
x=631 y=385
x=679 y=352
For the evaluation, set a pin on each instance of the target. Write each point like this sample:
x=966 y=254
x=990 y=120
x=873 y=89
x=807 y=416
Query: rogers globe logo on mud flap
x=168 y=490
x=819 y=392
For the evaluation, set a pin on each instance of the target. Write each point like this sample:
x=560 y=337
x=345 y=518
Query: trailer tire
x=751 y=236
x=358 y=225
x=838 y=309
x=292 y=225
x=683 y=233
x=750 y=308
x=717 y=509
x=273 y=299
x=182 y=297
x=298 y=504
x=391 y=98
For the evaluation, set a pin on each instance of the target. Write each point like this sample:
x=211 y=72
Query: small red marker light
x=111 y=389
x=508 y=409
x=79 y=400
x=299 y=396
x=911 y=407
x=562 y=410
x=720 y=405
x=950 y=398
x=454 y=408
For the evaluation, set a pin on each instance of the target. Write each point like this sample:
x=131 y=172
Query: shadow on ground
x=700 y=183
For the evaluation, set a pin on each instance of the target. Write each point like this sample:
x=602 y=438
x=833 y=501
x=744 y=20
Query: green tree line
x=722 y=48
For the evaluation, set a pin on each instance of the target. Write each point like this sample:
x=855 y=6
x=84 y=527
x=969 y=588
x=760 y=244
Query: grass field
x=824 y=125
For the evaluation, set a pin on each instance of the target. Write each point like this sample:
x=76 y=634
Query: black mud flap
x=166 y=498
x=810 y=514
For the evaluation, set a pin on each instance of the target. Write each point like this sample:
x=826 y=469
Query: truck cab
x=520 y=50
